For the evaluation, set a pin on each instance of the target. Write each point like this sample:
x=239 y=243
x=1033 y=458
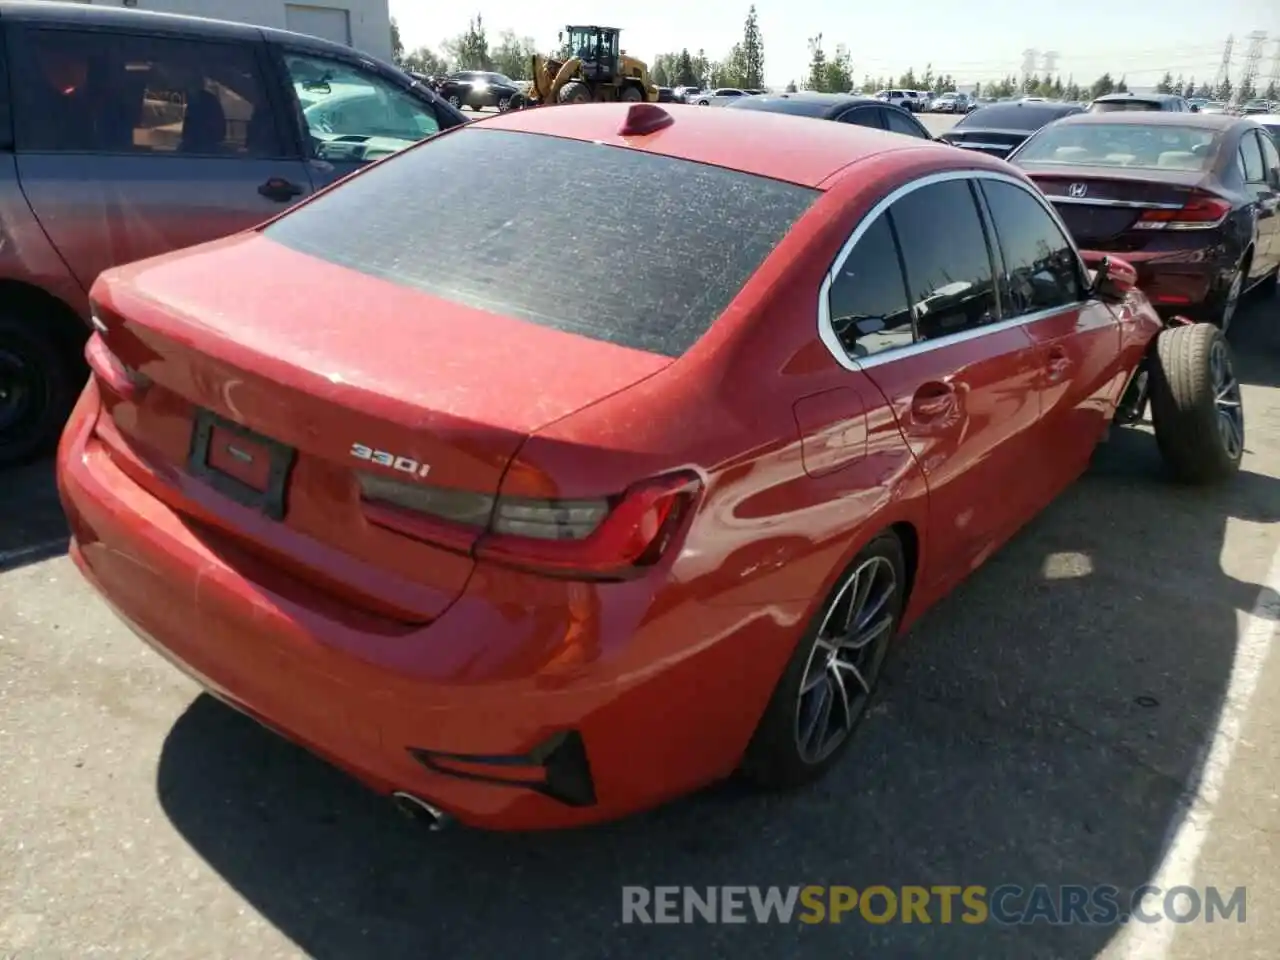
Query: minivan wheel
x=36 y=391
x=828 y=683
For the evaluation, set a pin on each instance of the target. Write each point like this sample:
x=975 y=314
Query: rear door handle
x=280 y=190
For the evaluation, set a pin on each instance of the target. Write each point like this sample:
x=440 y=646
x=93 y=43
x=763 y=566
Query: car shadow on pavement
x=1040 y=726
x=32 y=527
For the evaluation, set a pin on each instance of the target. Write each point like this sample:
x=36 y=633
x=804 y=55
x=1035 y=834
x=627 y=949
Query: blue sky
x=971 y=39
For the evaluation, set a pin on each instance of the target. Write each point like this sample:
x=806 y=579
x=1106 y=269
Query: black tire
x=1195 y=404
x=1223 y=307
x=37 y=389
x=775 y=759
x=631 y=94
x=518 y=101
x=575 y=91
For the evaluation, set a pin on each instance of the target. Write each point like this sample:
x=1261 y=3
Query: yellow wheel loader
x=589 y=69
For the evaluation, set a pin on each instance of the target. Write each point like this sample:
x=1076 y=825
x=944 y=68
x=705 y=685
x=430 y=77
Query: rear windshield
x=1014 y=116
x=1156 y=146
x=636 y=249
x=1116 y=106
x=796 y=108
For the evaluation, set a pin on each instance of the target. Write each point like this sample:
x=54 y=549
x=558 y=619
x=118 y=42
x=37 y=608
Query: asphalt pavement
x=1095 y=706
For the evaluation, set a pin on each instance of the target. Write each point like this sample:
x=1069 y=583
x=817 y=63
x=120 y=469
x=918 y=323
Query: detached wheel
x=37 y=390
x=827 y=685
x=1195 y=404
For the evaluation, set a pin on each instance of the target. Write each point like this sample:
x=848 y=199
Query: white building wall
x=370 y=20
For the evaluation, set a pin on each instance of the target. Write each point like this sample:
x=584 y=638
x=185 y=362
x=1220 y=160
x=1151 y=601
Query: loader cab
x=597 y=47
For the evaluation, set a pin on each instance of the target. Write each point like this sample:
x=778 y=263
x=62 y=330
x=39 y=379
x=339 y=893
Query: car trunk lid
x=1101 y=206
x=267 y=400
x=997 y=143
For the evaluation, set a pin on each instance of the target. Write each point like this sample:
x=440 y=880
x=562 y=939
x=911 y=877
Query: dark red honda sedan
x=580 y=457
x=1191 y=200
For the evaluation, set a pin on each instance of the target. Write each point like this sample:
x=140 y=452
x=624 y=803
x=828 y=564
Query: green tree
x=701 y=69
x=928 y=80
x=397 y=44
x=1224 y=90
x=1030 y=84
x=470 y=49
x=1189 y=88
x=1247 y=91
x=1122 y=87
x=817 y=65
x=791 y=87
x=1273 y=91
x=513 y=55
x=1102 y=86
x=909 y=81
x=839 y=71
x=752 y=52
x=425 y=60
x=685 y=75
x=1166 y=84
x=1072 y=90
x=977 y=89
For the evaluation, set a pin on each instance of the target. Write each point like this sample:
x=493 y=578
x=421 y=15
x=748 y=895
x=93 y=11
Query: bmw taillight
x=1202 y=211
x=610 y=537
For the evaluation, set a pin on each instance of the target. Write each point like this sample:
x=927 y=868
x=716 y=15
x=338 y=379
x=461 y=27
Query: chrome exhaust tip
x=418 y=809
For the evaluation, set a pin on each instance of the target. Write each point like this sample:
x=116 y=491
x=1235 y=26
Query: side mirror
x=1273 y=177
x=1113 y=280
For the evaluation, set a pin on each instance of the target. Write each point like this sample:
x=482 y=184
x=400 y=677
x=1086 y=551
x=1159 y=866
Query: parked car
x=950 y=103
x=1255 y=107
x=899 y=98
x=998 y=128
x=1118 y=102
x=1271 y=121
x=687 y=94
x=478 y=89
x=667 y=95
x=1191 y=200
x=137 y=133
x=533 y=607
x=718 y=97
x=844 y=108
x=1213 y=106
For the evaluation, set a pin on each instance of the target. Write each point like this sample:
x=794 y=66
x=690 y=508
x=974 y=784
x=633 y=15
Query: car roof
x=1115 y=97
x=1206 y=121
x=803 y=152
x=808 y=103
x=90 y=15
x=1017 y=115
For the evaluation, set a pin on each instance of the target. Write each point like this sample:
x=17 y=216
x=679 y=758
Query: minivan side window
x=949 y=276
x=867 y=301
x=338 y=99
x=1042 y=270
x=134 y=94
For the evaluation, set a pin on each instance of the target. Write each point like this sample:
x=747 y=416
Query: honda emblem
x=1077 y=190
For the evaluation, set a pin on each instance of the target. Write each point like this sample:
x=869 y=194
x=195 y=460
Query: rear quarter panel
x=26 y=255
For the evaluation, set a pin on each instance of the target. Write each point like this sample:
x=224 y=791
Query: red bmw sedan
x=578 y=458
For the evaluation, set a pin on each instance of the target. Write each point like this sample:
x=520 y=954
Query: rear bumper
x=1174 y=282
x=605 y=707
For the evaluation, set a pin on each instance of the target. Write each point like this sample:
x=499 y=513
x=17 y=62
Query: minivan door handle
x=280 y=190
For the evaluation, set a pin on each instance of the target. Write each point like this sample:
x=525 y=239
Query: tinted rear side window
x=636 y=249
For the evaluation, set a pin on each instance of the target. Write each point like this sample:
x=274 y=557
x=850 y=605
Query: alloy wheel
x=20 y=389
x=1226 y=397
x=845 y=660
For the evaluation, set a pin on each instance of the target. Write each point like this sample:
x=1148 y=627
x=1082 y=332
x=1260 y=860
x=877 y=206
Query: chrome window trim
x=827 y=333
x=1126 y=204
